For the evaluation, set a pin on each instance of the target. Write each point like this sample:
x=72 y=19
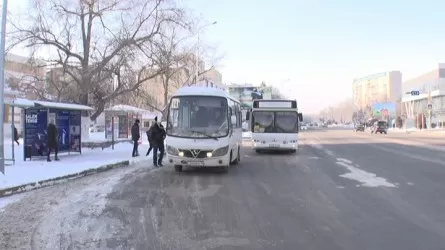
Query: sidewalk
x=420 y=132
x=33 y=174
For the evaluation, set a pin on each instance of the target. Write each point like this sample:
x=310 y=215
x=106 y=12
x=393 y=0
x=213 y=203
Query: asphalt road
x=343 y=190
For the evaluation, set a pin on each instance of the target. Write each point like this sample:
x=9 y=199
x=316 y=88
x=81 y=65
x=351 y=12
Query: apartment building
x=378 y=88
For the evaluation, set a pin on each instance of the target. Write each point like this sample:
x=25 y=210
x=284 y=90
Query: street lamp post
x=197 y=50
x=2 y=87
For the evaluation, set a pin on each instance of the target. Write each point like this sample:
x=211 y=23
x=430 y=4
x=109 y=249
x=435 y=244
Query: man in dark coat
x=149 y=141
x=135 y=136
x=158 y=136
x=16 y=136
x=52 y=141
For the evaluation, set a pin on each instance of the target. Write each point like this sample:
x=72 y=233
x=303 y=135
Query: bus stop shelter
x=35 y=117
x=119 y=119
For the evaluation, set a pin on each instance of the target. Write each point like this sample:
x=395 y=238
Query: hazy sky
x=323 y=45
x=320 y=45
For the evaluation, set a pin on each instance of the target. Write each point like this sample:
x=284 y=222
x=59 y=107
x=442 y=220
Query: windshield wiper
x=203 y=133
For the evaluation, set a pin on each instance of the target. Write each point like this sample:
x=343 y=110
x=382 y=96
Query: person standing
x=158 y=137
x=135 y=136
x=52 y=141
x=16 y=136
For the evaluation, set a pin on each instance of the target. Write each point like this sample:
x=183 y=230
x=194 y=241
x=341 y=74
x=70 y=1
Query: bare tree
x=102 y=45
x=173 y=53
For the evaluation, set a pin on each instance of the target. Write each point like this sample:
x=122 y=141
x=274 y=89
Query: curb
x=61 y=179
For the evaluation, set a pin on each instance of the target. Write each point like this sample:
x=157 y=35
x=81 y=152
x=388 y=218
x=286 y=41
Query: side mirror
x=300 y=117
x=247 y=115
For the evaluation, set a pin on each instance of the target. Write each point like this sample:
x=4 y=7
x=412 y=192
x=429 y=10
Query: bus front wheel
x=238 y=158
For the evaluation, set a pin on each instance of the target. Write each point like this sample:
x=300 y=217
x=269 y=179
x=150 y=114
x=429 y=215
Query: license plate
x=195 y=163
x=274 y=145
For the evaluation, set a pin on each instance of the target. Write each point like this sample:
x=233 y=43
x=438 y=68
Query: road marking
x=365 y=178
x=313 y=158
x=410 y=184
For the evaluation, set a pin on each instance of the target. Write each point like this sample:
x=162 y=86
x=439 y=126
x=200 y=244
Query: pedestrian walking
x=135 y=136
x=158 y=136
x=16 y=136
x=149 y=140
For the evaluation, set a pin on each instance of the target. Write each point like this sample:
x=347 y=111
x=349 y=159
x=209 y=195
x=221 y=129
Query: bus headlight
x=220 y=151
x=173 y=151
x=209 y=154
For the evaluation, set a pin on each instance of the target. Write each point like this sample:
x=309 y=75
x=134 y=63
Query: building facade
x=155 y=87
x=22 y=78
x=431 y=99
x=378 y=88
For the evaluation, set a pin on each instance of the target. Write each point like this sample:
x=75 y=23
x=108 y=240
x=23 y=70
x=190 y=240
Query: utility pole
x=430 y=109
x=197 y=50
x=2 y=87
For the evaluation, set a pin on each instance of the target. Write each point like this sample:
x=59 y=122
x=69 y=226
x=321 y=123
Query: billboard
x=247 y=94
x=383 y=110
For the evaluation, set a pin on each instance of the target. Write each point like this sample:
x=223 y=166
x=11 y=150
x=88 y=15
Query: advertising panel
x=63 y=129
x=75 y=125
x=383 y=110
x=123 y=125
x=35 y=137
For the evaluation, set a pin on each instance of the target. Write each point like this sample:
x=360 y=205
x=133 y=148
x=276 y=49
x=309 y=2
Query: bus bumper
x=199 y=162
x=275 y=146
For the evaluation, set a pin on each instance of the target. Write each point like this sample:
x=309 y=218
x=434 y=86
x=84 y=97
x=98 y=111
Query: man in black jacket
x=135 y=136
x=158 y=136
x=52 y=141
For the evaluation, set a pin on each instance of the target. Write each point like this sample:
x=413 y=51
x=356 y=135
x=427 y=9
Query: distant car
x=359 y=127
x=380 y=127
x=303 y=127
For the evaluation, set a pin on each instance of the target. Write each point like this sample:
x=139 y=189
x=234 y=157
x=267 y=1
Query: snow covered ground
x=23 y=172
x=40 y=219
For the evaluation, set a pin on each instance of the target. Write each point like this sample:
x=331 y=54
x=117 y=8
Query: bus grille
x=195 y=153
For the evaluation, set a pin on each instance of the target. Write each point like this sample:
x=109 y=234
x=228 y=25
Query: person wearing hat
x=157 y=136
x=135 y=136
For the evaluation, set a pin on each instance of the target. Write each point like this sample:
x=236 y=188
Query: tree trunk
x=85 y=119
x=99 y=109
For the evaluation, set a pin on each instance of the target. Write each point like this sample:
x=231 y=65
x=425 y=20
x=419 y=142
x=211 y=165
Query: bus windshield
x=198 y=117
x=274 y=122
